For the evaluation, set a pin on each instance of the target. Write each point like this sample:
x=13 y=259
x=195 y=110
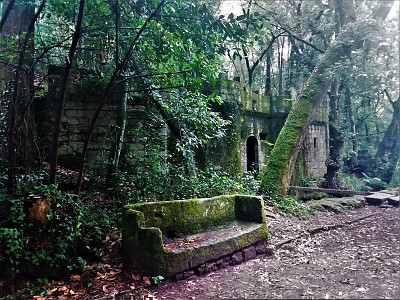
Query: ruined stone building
x=256 y=122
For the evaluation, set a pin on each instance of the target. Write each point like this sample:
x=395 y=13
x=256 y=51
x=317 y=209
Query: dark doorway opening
x=252 y=154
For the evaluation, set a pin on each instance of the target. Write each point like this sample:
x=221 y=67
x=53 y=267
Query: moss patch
x=144 y=226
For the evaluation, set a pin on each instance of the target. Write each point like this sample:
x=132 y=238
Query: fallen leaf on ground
x=75 y=278
x=135 y=277
x=146 y=280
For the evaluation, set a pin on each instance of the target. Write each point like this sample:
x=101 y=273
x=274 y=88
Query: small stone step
x=395 y=201
x=386 y=206
x=377 y=198
x=374 y=201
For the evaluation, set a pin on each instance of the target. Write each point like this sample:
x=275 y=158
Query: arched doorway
x=252 y=153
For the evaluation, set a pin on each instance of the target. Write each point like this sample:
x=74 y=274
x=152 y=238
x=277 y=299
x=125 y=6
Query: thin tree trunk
x=335 y=140
x=107 y=91
x=350 y=117
x=120 y=116
x=367 y=136
x=63 y=92
x=388 y=152
x=6 y=13
x=280 y=67
x=268 y=86
x=116 y=147
x=12 y=108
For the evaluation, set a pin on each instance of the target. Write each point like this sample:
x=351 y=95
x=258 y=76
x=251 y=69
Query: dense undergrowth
x=48 y=232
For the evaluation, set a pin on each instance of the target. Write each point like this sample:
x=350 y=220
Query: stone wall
x=316 y=151
x=256 y=123
x=256 y=126
x=82 y=100
x=79 y=109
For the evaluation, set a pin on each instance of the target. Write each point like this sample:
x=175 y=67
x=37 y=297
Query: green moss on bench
x=144 y=225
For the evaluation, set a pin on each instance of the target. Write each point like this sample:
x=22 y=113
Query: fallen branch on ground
x=319 y=229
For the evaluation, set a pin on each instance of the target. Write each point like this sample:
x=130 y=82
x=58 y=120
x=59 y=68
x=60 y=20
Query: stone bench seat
x=170 y=237
x=230 y=231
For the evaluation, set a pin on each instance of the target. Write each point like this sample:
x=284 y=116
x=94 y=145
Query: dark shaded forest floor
x=358 y=257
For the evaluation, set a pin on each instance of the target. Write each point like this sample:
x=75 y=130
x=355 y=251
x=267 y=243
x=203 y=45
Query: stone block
x=188 y=274
x=373 y=200
x=249 y=253
x=186 y=217
x=211 y=267
x=237 y=258
x=223 y=260
x=261 y=247
x=200 y=271
x=386 y=206
x=395 y=201
x=225 y=264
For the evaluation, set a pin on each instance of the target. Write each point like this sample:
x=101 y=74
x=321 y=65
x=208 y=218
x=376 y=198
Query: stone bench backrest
x=181 y=217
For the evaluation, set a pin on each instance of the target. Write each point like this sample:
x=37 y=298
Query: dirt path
x=358 y=260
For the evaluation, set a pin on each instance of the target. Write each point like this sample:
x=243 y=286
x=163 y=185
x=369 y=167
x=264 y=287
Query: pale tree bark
x=280 y=165
x=346 y=14
x=350 y=117
x=336 y=140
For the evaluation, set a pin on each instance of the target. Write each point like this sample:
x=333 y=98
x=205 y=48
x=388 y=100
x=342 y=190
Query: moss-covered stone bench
x=170 y=237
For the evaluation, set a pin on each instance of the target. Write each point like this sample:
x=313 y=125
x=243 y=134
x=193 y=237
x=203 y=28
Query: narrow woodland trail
x=358 y=258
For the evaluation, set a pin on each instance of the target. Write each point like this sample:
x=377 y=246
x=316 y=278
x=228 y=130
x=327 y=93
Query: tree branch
x=107 y=90
x=6 y=13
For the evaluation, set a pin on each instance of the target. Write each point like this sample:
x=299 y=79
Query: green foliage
x=364 y=183
x=58 y=242
x=396 y=177
x=374 y=183
x=352 y=182
x=312 y=181
x=157 y=279
x=181 y=183
x=47 y=243
x=288 y=205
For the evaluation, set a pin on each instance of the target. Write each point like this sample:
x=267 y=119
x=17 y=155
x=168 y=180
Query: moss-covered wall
x=143 y=227
x=262 y=117
x=180 y=217
x=81 y=102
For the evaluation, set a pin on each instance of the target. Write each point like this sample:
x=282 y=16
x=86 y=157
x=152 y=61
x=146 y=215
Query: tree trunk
x=280 y=165
x=268 y=85
x=345 y=13
x=8 y=7
x=116 y=147
x=63 y=92
x=17 y=20
x=107 y=91
x=388 y=152
x=280 y=66
x=350 y=117
x=336 y=141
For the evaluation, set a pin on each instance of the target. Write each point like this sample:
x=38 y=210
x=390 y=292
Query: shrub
x=288 y=205
x=49 y=230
